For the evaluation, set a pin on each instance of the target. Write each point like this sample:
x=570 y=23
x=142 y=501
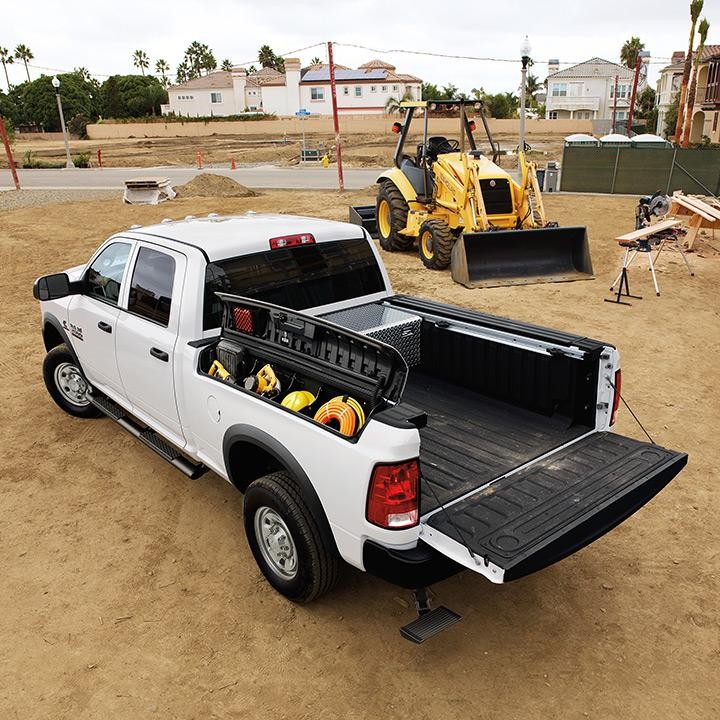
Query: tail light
x=616 y=397
x=291 y=241
x=393 y=500
x=472 y=126
x=396 y=127
x=243 y=319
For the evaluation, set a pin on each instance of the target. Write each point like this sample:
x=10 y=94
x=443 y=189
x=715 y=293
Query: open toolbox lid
x=359 y=364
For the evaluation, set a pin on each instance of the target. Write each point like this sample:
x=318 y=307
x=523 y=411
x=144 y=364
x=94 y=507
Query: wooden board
x=648 y=231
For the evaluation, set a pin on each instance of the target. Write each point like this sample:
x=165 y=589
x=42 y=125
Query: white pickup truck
x=409 y=438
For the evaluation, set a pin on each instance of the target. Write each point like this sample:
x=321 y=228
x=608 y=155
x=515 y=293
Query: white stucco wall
x=197 y=102
x=589 y=95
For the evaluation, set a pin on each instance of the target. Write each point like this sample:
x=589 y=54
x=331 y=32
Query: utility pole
x=638 y=63
x=615 y=104
x=56 y=84
x=336 y=122
x=8 y=152
x=525 y=57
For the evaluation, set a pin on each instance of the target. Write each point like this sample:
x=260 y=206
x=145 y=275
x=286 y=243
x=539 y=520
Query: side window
x=151 y=285
x=104 y=277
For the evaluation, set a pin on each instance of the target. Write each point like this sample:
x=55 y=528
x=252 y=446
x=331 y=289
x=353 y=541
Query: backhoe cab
x=464 y=210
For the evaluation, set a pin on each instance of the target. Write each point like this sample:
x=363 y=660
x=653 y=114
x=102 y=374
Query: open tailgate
x=550 y=508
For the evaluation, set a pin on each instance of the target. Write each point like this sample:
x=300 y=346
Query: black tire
x=60 y=366
x=435 y=244
x=316 y=568
x=391 y=202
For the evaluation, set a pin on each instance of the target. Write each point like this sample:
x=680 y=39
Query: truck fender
x=49 y=336
x=250 y=435
x=398 y=178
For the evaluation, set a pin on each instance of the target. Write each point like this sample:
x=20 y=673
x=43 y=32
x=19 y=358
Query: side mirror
x=52 y=287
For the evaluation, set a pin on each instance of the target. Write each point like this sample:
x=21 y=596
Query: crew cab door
x=147 y=333
x=93 y=315
x=552 y=507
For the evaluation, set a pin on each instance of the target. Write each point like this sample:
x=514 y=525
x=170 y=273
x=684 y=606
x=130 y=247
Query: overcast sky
x=102 y=36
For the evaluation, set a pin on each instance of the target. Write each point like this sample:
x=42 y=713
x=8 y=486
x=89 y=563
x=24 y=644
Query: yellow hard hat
x=298 y=399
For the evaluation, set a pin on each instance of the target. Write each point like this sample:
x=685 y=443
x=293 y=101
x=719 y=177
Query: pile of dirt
x=211 y=185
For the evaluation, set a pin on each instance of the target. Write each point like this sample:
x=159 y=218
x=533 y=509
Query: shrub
x=30 y=162
x=78 y=125
x=82 y=160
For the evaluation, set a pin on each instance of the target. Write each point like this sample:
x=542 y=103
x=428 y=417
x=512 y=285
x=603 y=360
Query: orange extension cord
x=340 y=412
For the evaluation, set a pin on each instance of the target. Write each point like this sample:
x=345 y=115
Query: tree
x=198 y=58
x=671 y=116
x=140 y=60
x=449 y=92
x=124 y=96
x=629 y=51
x=252 y=69
x=702 y=32
x=207 y=60
x=532 y=88
x=316 y=61
x=23 y=52
x=646 y=109
x=267 y=58
x=226 y=65
x=162 y=68
x=501 y=105
x=6 y=58
x=33 y=103
x=429 y=91
x=696 y=7
x=393 y=104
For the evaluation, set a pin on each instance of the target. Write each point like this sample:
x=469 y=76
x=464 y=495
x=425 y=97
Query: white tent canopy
x=580 y=139
x=615 y=138
x=650 y=139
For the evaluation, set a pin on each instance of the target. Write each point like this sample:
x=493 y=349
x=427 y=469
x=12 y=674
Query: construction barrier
x=641 y=171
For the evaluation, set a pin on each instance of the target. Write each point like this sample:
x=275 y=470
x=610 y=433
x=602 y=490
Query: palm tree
x=252 y=69
x=696 y=7
x=316 y=61
x=140 y=60
x=393 y=104
x=702 y=31
x=162 y=68
x=24 y=53
x=532 y=88
x=226 y=65
x=6 y=58
x=629 y=51
x=266 y=56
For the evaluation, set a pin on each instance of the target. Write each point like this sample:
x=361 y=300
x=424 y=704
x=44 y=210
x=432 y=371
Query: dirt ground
x=369 y=150
x=130 y=592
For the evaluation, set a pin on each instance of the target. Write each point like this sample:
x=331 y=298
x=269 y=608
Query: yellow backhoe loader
x=465 y=211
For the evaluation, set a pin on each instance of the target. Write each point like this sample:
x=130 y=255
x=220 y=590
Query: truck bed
x=471 y=439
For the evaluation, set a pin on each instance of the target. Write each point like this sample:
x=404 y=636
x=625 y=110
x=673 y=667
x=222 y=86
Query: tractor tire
x=392 y=212
x=435 y=243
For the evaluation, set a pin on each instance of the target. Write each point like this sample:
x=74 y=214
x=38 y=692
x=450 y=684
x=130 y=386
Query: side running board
x=148 y=436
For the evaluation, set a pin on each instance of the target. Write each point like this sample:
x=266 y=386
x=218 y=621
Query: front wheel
x=392 y=212
x=286 y=541
x=435 y=243
x=66 y=383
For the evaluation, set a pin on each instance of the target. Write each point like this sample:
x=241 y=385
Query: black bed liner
x=471 y=439
x=559 y=504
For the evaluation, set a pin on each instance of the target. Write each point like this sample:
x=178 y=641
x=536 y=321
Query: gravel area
x=13 y=199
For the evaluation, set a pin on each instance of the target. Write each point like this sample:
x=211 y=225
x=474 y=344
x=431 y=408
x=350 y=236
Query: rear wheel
x=392 y=213
x=286 y=541
x=435 y=243
x=66 y=383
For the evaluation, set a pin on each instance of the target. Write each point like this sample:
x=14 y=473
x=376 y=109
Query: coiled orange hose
x=339 y=412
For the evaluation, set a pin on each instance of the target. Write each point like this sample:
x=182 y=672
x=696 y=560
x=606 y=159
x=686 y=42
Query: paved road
x=266 y=176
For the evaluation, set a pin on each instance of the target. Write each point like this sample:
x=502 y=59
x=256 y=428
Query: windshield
x=297 y=277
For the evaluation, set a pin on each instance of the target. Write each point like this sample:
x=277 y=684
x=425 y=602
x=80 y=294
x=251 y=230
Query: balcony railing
x=573 y=103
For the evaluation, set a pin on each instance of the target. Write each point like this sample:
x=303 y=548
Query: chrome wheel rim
x=71 y=384
x=276 y=543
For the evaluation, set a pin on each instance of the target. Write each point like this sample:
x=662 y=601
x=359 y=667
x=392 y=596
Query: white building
x=365 y=90
x=587 y=91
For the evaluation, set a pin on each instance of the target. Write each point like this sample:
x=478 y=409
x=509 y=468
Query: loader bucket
x=521 y=257
x=365 y=216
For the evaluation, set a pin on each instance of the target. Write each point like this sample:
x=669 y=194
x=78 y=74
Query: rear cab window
x=298 y=277
x=151 y=285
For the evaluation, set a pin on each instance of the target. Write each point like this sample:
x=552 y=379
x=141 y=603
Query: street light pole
x=525 y=56
x=56 y=84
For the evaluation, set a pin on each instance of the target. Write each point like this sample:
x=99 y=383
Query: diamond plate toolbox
x=394 y=327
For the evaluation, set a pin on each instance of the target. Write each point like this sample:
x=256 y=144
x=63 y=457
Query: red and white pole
x=8 y=152
x=99 y=157
x=634 y=92
x=336 y=122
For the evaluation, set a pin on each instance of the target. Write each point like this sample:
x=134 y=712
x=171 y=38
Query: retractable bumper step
x=148 y=437
x=528 y=520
